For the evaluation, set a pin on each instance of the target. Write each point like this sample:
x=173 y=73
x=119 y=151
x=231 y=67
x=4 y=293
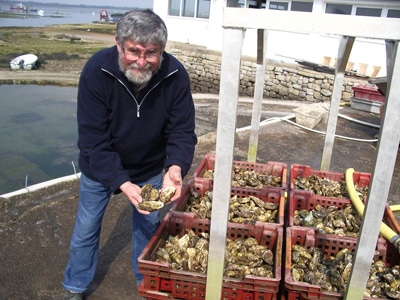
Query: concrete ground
x=35 y=228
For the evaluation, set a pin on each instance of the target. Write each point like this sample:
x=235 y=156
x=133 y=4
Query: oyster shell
x=332 y=272
x=330 y=220
x=167 y=193
x=241 y=177
x=148 y=193
x=327 y=187
x=153 y=199
x=190 y=253
x=150 y=205
x=244 y=210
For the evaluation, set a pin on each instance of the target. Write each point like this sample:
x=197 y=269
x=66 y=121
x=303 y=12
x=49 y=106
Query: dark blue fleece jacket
x=127 y=137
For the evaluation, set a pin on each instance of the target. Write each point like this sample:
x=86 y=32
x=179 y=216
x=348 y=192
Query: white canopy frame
x=235 y=23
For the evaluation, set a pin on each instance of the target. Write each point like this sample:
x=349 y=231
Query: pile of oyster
x=333 y=273
x=331 y=219
x=243 y=210
x=241 y=177
x=327 y=187
x=153 y=199
x=243 y=256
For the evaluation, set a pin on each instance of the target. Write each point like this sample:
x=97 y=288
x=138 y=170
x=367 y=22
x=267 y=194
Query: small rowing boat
x=26 y=62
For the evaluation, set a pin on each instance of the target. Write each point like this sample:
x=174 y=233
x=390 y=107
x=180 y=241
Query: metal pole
x=346 y=43
x=388 y=145
x=226 y=127
x=258 y=94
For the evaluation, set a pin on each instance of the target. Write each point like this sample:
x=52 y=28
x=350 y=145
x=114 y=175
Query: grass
x=15 y=41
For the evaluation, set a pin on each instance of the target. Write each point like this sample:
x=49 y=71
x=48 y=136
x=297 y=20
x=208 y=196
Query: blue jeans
x=93 y=200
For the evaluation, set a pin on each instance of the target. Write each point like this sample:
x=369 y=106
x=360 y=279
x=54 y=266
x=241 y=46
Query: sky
x=118 y=3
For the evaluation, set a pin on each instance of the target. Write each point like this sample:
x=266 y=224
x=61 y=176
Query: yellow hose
x=385 y=230
x=395 y=207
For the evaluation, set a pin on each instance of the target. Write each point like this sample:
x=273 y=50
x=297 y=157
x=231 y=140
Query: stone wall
x=282 y=80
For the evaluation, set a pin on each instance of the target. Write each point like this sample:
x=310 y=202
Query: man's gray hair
x=143 y=27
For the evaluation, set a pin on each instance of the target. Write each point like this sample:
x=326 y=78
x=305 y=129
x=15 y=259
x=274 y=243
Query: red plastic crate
x=269 y=194
x=360 y=179
x=153 y=294
x=329 y=246
x=300 y=199
x=368 y=93
x=190 y=285
x=273 y=168
x=290 y=295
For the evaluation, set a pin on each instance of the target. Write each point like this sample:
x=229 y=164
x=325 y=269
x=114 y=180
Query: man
x=135 y=121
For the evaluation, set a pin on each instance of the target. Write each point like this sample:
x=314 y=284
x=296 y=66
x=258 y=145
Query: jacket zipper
x=137 y=104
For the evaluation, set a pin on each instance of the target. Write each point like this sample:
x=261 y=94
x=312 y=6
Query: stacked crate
x=329 y=244
x=162 y=282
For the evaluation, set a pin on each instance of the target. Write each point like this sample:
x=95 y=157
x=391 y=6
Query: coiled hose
x=385 y=230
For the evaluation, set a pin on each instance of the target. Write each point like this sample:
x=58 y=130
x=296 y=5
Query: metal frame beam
x=388 y=144
x=235 y=21
x=226 y=127
x=346 y=43
x=258 y=93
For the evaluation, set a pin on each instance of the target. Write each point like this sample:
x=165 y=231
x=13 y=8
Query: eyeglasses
x=150 y=55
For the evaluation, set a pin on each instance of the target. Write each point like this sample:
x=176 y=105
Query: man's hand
x=132 y=191
x=174 y=178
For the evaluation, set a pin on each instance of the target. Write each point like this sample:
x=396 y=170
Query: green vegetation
x=48 y=43
x=99 y=27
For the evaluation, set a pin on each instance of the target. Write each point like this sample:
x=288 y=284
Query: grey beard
x=138 y=78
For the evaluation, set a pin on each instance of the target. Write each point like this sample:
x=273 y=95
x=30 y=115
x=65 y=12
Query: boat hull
x=25 y=62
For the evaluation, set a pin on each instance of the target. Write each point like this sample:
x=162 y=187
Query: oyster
x=241 y=177
x=150 y=205
x=243 y=256
x=332 y=273
x=330 y=220
x=327 y=187
x=167 y=193
x=244 y=210
x=208 y=174
x=153 y=199
x=148 y=193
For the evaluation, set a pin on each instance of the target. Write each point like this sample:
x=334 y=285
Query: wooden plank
x=344 y=25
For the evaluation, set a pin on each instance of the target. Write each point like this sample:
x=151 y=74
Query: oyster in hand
x=154 y=200
x=148 y=193
x=167 y=193
x=150 y=205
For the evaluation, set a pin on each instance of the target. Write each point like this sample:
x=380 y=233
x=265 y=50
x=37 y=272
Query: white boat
x=26 y=62
x=17 y=6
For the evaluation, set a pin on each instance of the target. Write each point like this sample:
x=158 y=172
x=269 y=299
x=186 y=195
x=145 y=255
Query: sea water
x=38 y=130
x=38 y=134
x=53 y=15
